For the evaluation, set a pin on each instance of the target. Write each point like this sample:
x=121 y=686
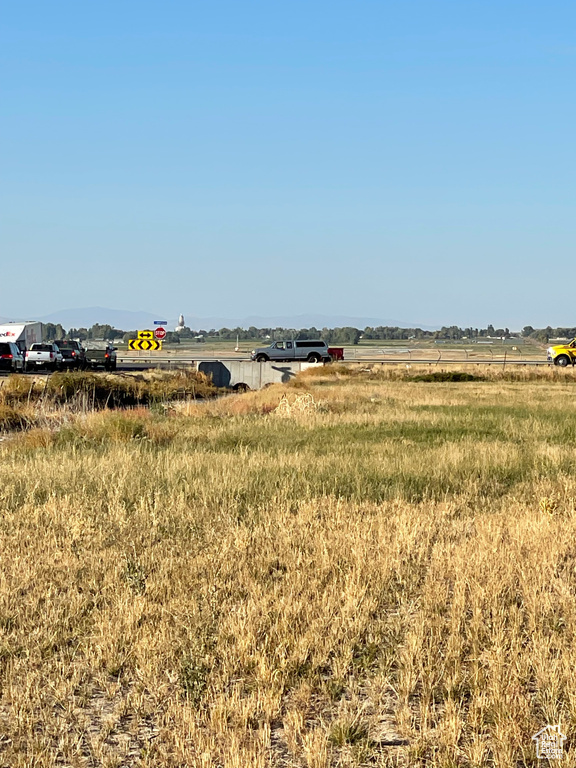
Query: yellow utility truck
x=563 y=354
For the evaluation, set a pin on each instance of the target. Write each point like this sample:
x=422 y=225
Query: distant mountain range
x=129 y=321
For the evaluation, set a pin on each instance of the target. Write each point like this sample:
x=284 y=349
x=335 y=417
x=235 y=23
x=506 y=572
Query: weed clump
x=134 y=575
x=442 y=376
x=11 y=418
x=194 y=678
x=347 y=732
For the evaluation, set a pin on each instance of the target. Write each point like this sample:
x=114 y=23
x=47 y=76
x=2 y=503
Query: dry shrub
x=250 y=403
x=17 y=388
x=54 y=401
x=329 y=371
x=11 y=418
x=300 y=405
x=36 y=437
x=82 y=391
x=96 y=390
x=120 y=427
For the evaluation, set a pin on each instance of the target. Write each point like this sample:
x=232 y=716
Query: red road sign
x=160 y=333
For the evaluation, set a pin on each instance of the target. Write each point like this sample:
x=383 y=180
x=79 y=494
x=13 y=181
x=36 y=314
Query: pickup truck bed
x=101 y=357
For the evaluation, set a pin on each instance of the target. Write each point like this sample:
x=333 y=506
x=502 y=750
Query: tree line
x=545 y=334
x=346 y=335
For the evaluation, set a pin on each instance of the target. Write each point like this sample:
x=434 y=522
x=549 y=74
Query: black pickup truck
x=73 y=355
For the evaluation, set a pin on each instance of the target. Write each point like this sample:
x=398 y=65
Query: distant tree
x=346 y=335
x=104 y=332
x=48 y=332
x=308 y=333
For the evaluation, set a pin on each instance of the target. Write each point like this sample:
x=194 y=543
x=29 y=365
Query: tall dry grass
x=387 y=578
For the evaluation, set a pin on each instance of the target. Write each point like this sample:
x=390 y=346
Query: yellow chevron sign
x=145 y=334
x=144 y=345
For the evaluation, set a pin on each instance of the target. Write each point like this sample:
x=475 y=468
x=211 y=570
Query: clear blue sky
x=411 y=160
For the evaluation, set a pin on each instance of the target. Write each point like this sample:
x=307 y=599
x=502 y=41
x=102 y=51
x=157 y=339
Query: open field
x=386 y=350
x=361 y=569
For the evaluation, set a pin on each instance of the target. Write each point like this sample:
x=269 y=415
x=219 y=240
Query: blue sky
x=409 y=160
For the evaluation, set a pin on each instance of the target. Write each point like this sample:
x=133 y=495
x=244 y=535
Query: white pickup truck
x=44 y=355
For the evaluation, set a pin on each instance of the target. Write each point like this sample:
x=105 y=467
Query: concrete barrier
x=244 y=374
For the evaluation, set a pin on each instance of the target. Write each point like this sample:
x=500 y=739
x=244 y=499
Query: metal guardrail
x=187 y=361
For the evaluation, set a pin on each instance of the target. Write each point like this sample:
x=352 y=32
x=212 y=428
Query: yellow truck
x=563 y=354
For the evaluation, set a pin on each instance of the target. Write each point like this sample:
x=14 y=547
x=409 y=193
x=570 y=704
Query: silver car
x=292 y=350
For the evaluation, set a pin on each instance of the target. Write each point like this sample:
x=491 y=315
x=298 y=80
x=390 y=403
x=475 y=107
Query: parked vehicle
x=21 y=334
x=562 y=354
x=11 y=359
x=292 y=350
x=101 y=357
x=74 y=356
x=46 y=355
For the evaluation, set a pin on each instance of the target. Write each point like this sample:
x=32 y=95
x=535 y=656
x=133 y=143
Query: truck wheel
x=262 y=358
x=314 y=357
x=562 y=361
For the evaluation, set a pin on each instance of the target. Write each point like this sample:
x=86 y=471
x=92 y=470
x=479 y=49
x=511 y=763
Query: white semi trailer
x=22 y=334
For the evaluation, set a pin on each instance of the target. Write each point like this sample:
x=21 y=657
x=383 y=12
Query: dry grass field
x=359 y=570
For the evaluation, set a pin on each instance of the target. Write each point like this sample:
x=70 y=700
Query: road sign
x=160 y=322
x=145 y=334
x=160 y=333
x=144 y=345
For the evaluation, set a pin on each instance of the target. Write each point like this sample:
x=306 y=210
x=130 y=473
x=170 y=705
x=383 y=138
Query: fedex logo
x=7 y=333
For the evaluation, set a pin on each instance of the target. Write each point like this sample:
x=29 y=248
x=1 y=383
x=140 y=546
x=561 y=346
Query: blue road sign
x=160 y=322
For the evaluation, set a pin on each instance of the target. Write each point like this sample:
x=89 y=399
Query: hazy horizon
x=132 y=320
